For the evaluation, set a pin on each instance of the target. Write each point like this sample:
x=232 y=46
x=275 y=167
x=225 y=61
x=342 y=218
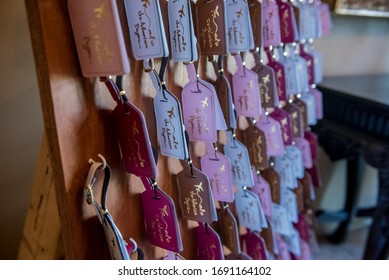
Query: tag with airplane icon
x=248 y=208
x=208 y=243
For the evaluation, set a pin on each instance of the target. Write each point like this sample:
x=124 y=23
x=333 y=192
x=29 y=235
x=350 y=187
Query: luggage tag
x=279 y=72
x=199 y=109
x=168 y=118
x=271 y=24
x=147 y=32
x=273 y=178
x=289 y=201
x=247 y=98
x=239 y=32
x=229 y=230
x=288 y=25
x=161 y=219
x=240 y=162
x=304 y=21
x=283 y=251
x=255 y=9
x=219 y=171
x=131 y=132
x=310 y=101
x=295 y=156
x=195 y=196
x=242 y=256
x=267 y=82
x=99 y=37
x=306 y=181
x=248 y=208
x=282 y=117
x=303 y=109
x=262 y=189
x=315 y=175
x=301 y=70
x=255 y=246
x=318 y=102
x=318 y=63
x=295 y=115
x=325 y=19
x=305 y=149
x=312 y=139
x=310 y=63
x=208 y=243
x=212 y=27
x=255 y=141
x=269 y=238
x=293 y=243
x=291 y=80
x=172 y=256
x=182 y=35
x=299 y=192
x=280 y=222
x=287 y=177
x=302 y=227
x=273 y=134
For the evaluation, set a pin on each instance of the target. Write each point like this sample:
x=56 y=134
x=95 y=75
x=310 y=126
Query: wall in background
x=357 y=45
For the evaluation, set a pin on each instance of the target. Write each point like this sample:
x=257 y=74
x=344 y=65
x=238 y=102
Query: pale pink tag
x=262 y=189
x=271 y=24
x=272 y=129
x=326 y=22
x=305 y=250
x=283 y=253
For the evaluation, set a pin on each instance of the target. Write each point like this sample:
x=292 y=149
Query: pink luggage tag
x=288 y=25
x=326 y=21
x=282 y=117
x=273 y=134
x=306 y=253
x=283 y=252
x=305 y=148
x=271 y=24
x=255 y=246
x=99 y=37
x=208 y=243
x=262 y=189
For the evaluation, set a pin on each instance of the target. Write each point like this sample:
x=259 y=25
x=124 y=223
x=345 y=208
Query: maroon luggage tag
x=296 y=118
x=229 y=230
x=219 y=171
x=313 y=143
x=310 y=63
x=288 y=25
x=283 y=118
x=279 y=72
x=208 y=243
x=302 y=228
x=195 y=196
x=255 y=141
x=161 y=219
x=255 y=246
x=273 y=178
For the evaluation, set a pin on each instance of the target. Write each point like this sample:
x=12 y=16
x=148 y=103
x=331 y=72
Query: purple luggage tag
x=99 y=37
x=208 y=243
x=271 y=24
x=195 y=196
x=325 y=19
x=313 y=143
x=296 y=118
x=199 y=109
x=318 y=102
x=262 y=189
x=239 y=30
x=161 y=219
x=310 y=100
x=282 y=117
x=182 y=37
x=248 y=208
x=284 y=167
x=240 y=162
x=273 y=134
x=288 y=25
x=305 y=148
x=219 y=171
x=147 y=32
x=279 y=72
x=255 y=246
x=229 y=230
x=310 y=63
x=295 y=156
x=283 y=252
x=247 y=98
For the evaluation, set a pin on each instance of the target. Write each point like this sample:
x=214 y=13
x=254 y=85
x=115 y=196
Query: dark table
x=355 y=127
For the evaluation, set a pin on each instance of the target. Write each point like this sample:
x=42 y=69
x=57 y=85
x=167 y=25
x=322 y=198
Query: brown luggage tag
x=255 y=141
x=268 y=236
x=255 y=8
x=209 y=246
x=273 y=178
x=195 y=196
x=296 y=118
x=303 y=109
x=229 y=230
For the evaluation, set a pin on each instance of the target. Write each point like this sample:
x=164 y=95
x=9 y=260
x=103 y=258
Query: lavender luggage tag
x=317 y=62
x=295 y=156
x=293 y=243
x=318 y=102
x=172 y=256
x=99 y=37
x=310 y=100
x=147 y=33
x=282 y=117
x=271 y=24
x=262 y=189
x=283 y=252
x=240 y=162
x=305 y=148
x=248 y=208
x=255 y=246
x=289 y=201
x=245 y=90
x=273 y=134
x=279 y=72
x=182 y=37
x=208 y=243
x=325 y=16
x=219 y=171
x=279 y=221
x=284 y=167
x=160 y=218
x=301 y=69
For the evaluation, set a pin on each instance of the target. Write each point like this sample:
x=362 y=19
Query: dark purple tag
x=288 y=23
x=283 y=118
x=296 y=118
x=209 y=246
x=134 y=141
x=310 y=64
x=161 y=220
x=255 y=246
x=302 y=228
x=312 y=139
x=279 y=72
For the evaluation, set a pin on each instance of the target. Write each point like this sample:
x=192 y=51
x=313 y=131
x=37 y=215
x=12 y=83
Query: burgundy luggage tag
x=240 y=162
x=318 y=102
x=147 y=32
x=262 y=189
x=172 y=256
x=279 y=72
x=99 y=37
x=273 y=178
x=255 y=141
x=247 y=98
x=267 y=82
x=195 y=196
x=315 y=175
x=211 y=28
x=255 y=9
x=289 y=201
x=287 y=177
x=313 y=143
x=182 y=34
x=282 y=117
x=305 y=148
x=208 y=243
x=303 y=109
x=295 y=156
x=273 y=134
x=229 y=230
x=242 y=256
x=271 y=24
x=255 y=246
x=302 y=228
x=310 y=63
x=325 y=19
x=310 y=101
x=219 y=171
x=161 y=219
x=248 y=208
x=296 y=119
x=279 y=221
x=288 y=25
x=199 y=109
x=283 y=252
x=238 y=26
x=293 y=242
